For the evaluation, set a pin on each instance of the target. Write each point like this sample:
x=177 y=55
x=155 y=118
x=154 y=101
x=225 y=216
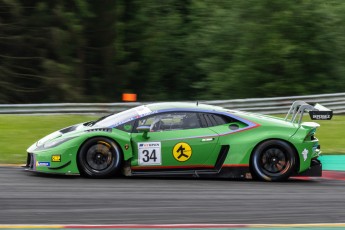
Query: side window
x=171 y=121
x=127 y=127
x=191 y=121
x=215 y=119
x=210 y=120
x=220 y=120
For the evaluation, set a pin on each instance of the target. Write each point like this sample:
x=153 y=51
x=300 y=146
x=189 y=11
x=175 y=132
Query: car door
x=174 y=140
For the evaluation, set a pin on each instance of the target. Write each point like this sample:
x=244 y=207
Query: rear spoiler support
x=316 y=112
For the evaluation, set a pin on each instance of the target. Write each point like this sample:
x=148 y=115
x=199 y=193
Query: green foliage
x=77 y=50
x=39 y=51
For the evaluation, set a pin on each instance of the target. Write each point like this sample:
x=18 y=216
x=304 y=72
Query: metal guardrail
x=281 y=105
x=273 y=105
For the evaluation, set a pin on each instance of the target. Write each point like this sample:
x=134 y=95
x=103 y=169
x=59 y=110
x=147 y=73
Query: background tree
x=278 y=51
x=93 y=51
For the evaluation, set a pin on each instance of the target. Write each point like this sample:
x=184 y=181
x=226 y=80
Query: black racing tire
x=273 y=160
x=99 y=157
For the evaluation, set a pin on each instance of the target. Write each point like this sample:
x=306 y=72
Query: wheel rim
x=99 y=157
x=274 y=161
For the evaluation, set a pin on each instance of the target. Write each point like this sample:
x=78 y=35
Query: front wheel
x=273 y=160
x=99 y=158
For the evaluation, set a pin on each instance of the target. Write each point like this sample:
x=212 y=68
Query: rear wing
x=316 y=112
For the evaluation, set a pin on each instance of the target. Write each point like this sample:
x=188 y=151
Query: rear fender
x=307 y=145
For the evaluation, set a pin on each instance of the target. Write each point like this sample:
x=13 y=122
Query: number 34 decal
x=149 y=153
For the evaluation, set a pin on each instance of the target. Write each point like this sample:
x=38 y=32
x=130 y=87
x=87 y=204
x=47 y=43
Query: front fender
x=120 y=137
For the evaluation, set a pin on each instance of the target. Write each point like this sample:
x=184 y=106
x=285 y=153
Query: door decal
x=149 y=153
x=182 y=151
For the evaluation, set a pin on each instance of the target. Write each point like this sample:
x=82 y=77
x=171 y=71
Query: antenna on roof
x=197 y=103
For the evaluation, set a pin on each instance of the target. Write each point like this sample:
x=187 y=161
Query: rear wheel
x=273 y=160
x=99 y=158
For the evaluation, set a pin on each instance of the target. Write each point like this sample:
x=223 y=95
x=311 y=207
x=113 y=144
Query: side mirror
x=144 y=129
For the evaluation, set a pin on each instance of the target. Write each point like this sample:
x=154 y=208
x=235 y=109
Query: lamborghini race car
x=188 y=140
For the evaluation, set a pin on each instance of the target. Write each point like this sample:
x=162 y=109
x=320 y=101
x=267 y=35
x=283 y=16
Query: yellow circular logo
x=182 y=151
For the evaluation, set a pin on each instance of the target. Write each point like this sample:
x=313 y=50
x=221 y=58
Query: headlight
x=51 y=144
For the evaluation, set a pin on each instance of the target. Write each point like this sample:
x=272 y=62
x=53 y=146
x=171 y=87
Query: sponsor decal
x=43 y=163
x=305 y=154
x=322 y=114
x=182 y=151
x=321 y=117
x=155 y=144
x=56 y=158
x=149 y=153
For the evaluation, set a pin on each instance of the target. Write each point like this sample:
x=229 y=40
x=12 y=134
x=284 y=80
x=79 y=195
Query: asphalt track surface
x=27 y=198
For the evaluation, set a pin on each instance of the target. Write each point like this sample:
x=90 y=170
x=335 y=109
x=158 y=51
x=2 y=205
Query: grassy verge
x=18 y=132
x=331 y=135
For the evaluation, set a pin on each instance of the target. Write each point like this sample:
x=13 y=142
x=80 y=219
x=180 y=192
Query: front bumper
x=55 y=161
x=30 y=162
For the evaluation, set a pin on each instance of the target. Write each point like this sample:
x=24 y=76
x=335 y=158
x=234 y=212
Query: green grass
x=331 y=135
x=18 y=132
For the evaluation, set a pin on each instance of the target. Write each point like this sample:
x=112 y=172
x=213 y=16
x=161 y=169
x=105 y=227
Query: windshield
x=122 y=117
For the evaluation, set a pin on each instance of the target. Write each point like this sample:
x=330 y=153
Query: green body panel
x=67 y=155
x=205 y=143
x=203 y=152
x=301 y=143
x=68 y=151
x=243 y=143
x=277 y=128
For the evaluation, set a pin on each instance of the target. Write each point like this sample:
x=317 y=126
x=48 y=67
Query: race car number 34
x=149 y=153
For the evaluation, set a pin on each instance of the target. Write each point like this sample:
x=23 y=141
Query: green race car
x=185 y=139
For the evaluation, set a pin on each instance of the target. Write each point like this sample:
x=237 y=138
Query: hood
x=67 y=132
